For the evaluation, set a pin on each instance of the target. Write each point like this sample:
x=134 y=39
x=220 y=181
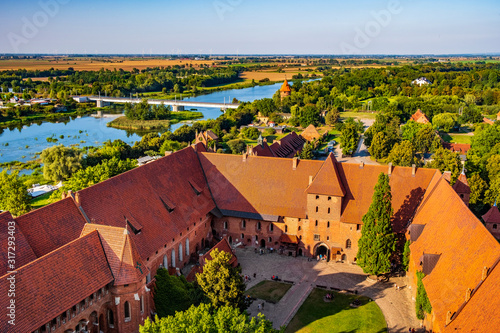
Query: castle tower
x=462 y=188
x=285 y=90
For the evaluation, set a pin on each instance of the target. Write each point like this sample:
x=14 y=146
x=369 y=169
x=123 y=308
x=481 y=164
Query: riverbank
x=149 y=125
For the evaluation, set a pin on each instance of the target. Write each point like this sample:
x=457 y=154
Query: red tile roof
x=480 y=314
x=291 y=239
x=52 y=226
x=52 y=284
x=420 y=117
x=492 y=216
x=261 y=185
x=270 y=187
x=224 y=246
x=20 y=251
x=285 y=87
x=159 y=198
x=287 y=146
x=461 y=148
x=464 y=245
x=126 y=264
x=327 y=181
x=461 y=185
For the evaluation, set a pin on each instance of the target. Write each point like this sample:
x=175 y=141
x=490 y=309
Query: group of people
x=275 y=278
x=329 y=296
x=320 y=257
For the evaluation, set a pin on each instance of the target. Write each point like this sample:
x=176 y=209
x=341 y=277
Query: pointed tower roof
x=493 y=215
x=285 y=87
x=125 y=262
x=462 y=185
x=327 y=180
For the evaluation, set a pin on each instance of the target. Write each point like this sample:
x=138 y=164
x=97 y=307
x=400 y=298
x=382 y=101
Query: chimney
x=310 y=180
x=485 y=273
x=295 y=161
x=250 y=150
x=77 y=199
x=245 y=157
x=389 y=172
x=468 y=294
x=168 y=152
x=413 y=169
x=448 y=317
x=362 y=165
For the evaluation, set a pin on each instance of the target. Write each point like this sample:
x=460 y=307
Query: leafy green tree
x=349 y=138
x=445 y=121
x=380 y=146
x=493 y=166
x=422 y=303
x=237 y=146
x=410 y=130
x=477 y=188
x=13 y=194
x=402 y=154
x=332 y=116
x=307 y=152
x=172 y=293
x=405 y=260
x=377 y=242
x=222 y=283
x=446 y=160
x=492 y=194
x=251 y=133
x=59 y=162
x=207 y=319
x=170 y=145
x=424 y=138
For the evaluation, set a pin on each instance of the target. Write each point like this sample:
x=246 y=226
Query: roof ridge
x=52 y=252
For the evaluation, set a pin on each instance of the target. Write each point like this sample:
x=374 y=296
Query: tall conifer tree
x=377 y=241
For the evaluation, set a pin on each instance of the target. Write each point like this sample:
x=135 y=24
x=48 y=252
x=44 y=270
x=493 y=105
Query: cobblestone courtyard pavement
x=396 y=305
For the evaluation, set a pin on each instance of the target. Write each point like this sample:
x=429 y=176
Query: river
x=22 y=145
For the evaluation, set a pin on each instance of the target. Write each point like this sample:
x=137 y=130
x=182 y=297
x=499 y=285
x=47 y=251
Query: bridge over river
x=177 y=105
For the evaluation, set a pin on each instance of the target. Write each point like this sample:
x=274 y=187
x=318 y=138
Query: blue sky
x=250 y=27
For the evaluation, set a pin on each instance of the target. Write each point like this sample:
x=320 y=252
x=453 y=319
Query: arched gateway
x=323 y=250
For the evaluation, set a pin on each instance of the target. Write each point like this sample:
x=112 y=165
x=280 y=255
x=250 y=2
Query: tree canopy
x=13 y=194
x=60 y=162
x=377 y=242
x=349 y=139
x=208 y=319
x=222 y=283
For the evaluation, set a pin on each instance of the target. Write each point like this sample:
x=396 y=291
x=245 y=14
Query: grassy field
x=270 y=291
x=456 y=138
x=41 y=201
x=175 y=117
x=95 y=64
x=353 y=114
x=316 y=315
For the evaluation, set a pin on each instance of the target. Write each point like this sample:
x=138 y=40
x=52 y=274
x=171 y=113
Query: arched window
x=328 y=210
x=172 y=261
x=111 y=319
x=286 y=228
x=225 y=225
x=242 y=237
x=258 y=225
x=165 y=261
x=243 y=224
x=148 y=277
x=127 y=311
x=316 y=224
x=494 y=226
x=316 y=209
x=270 y=239
x=348 y=244
x=271 y=227
x=142 y=303
x=328 y=224
x=180 y=252
x=300 y=228
x=187 y=246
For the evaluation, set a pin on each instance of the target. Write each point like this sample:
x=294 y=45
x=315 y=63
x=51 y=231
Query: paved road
x=397 y=306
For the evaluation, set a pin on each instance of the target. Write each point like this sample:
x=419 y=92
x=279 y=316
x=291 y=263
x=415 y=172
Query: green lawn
x=270 y=291
x=348 y=114
x=41 y=201
x=456 y=138
x=315 y=315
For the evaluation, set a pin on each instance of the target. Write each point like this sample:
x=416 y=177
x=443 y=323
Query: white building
x=420 y=81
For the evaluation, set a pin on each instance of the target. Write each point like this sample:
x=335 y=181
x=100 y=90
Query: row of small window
x=317 y=209
x=348 y=242
x=329 y=198
x=244 y=225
